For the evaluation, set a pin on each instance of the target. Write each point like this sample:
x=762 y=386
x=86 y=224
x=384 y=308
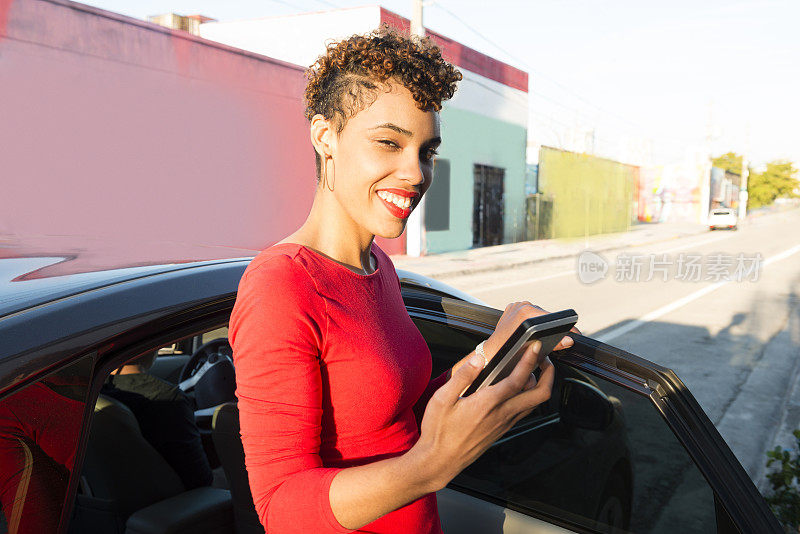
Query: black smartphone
x=549 y=329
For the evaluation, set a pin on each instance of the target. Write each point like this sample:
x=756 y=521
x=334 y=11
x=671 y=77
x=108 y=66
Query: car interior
x=127 y=485
x=595 y=458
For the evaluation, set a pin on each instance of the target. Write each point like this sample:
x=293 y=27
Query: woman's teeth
x=397 y=200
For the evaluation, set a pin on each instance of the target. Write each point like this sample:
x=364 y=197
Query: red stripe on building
x=465 y=57
x=5 y=9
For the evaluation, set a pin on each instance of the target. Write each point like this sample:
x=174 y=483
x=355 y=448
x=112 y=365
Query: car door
x=622 y=446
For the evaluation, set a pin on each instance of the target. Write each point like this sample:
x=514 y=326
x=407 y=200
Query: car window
x=150 y=440
x=597 y=454
x=39 y=430
x=214 y=334
x=448 y=345
x=622 y=466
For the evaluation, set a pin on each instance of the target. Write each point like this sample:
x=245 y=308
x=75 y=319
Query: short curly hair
x=344 y=80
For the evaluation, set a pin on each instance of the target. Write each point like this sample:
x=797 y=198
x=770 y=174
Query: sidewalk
x=788 y=413
x=513 y=255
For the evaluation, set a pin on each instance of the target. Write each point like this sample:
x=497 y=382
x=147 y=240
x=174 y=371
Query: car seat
x=228 y=443
x=129 y=487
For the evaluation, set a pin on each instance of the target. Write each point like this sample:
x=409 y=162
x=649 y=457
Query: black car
x=622 y=446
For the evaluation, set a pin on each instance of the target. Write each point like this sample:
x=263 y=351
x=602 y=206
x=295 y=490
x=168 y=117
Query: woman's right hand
x=513 y=316
x=456 y=430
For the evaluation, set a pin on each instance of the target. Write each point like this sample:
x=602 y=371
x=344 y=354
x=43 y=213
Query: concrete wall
x=591 y=195
x=121 y=129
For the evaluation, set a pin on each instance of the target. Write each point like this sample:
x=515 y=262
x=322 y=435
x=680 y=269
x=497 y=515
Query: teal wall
x=469 y=138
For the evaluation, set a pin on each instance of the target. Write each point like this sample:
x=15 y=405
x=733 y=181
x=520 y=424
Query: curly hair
x=345 y=79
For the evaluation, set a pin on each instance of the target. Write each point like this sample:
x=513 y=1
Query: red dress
x=331 y=373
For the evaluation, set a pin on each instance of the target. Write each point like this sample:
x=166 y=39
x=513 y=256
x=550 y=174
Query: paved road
x=735 y=344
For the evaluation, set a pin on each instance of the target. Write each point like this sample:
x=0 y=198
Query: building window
x=437 y=199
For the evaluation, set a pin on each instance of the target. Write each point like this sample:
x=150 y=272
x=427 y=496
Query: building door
x=487 y=206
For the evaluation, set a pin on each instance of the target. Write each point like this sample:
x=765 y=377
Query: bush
x=785 y=497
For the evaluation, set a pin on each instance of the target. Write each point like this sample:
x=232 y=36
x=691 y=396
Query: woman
x=330 y=368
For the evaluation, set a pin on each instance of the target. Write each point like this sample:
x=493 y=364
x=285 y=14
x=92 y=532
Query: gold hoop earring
x=326 y=173
x=323 y=167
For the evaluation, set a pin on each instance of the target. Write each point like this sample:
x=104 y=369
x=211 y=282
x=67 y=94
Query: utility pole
x=415 y=227
x=416 y=18
x=743 y=189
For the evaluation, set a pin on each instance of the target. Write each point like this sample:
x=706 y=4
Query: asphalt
x=512 y=255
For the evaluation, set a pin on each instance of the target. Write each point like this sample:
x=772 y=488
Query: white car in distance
x=722 y=218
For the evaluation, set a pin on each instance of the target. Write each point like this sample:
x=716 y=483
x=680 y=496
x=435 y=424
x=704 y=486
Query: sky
x=666 y=78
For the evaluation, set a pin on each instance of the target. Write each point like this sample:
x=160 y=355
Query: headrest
x=112 y=408
x=145 y=361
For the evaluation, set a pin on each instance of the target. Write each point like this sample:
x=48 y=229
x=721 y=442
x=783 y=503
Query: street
x=734 y=343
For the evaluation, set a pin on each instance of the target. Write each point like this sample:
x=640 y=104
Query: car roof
x=42 y=269
x=35 y=271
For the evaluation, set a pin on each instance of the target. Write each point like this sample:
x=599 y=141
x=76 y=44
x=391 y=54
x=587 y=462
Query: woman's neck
x=329 y=230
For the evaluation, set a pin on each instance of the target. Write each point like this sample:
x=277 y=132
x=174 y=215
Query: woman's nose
x=412 y=171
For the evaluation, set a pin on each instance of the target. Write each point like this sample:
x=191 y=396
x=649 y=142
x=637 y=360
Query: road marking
x=655 y=314
x=572 y=271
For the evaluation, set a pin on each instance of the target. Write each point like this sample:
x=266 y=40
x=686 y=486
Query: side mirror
x=584 y=406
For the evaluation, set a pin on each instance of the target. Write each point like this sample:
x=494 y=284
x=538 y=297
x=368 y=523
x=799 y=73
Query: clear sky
x=669 y=75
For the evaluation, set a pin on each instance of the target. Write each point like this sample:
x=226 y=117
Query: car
x=723 y=218
x=621 y=446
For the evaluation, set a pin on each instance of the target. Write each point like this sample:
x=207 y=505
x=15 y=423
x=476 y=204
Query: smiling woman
x=333 y=377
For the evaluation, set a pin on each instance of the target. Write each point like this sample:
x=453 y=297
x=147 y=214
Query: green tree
x=784 y=499
x=777 y=180
x=730 y=161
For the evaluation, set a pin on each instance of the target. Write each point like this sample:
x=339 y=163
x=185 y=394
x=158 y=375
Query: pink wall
x=117 y=128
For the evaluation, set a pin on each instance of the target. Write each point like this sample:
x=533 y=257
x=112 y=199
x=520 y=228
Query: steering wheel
x=204 y=358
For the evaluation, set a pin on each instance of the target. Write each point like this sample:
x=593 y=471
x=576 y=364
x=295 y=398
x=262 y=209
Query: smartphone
x=548 y=329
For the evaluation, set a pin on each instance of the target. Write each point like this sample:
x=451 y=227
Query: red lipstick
x=400 y=213
x=401 y=192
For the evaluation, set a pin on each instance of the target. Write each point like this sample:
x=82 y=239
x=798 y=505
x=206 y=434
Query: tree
x=776 y=181
x=730 y=161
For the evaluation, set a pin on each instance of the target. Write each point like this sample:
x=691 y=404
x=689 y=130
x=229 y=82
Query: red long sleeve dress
x=331 y=373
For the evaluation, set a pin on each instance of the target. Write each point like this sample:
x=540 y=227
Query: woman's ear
x=322 y=134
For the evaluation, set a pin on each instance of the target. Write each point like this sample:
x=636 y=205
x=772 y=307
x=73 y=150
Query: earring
x=326 y=172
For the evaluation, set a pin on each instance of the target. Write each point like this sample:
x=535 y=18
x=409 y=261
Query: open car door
x=621 y=446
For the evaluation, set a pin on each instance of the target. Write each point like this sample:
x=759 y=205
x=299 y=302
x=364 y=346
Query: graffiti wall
x=672 y=193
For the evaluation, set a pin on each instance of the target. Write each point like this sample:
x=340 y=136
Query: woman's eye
x=430 y=154
x=387 y=143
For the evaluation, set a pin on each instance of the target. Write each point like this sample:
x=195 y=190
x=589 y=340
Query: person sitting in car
x=166 y=418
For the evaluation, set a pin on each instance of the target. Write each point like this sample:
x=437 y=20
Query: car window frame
x=111 y=360
x=739 y=504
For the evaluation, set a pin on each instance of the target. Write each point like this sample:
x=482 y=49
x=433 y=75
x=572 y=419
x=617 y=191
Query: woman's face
x=383 y=161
